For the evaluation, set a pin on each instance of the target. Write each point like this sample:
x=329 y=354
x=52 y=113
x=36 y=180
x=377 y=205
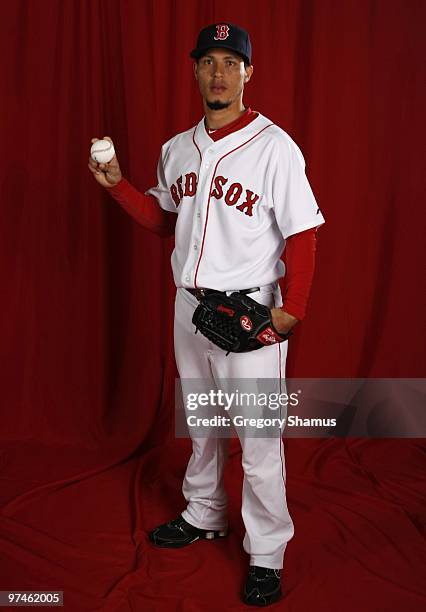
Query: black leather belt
x=200 y=293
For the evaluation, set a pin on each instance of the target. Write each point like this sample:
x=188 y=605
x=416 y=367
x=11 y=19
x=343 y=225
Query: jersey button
x=198 y=215
x=195 y=247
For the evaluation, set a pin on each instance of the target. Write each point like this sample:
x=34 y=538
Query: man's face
x=221 y=76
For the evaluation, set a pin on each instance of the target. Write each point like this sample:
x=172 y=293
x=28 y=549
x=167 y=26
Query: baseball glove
x=236 y=323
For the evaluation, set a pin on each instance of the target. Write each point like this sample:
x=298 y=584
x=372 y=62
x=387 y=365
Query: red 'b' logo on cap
x=222 y=32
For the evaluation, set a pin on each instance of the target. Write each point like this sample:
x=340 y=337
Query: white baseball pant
x=264 y=507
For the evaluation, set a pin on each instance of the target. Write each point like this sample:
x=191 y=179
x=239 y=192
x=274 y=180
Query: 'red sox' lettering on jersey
x=231 y=195
x=237 y=199
x=190 y=189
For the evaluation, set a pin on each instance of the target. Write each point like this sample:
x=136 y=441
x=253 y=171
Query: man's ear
x=248 y=75
x=196 y=71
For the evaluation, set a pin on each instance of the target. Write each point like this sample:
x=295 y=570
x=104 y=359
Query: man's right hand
x=108 y=174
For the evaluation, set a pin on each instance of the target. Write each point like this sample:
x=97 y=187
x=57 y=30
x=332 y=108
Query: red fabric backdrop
x=88 y=458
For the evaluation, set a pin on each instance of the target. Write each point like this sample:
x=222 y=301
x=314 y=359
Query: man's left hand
x=282 y=321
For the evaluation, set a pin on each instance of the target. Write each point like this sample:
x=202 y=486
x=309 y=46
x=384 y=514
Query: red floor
x=77 y=520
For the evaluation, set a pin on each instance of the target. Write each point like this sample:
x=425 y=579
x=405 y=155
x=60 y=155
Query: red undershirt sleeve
x=143 y=208
x=299 y=258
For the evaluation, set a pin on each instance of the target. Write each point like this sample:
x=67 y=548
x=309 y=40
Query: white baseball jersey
x=237 y=201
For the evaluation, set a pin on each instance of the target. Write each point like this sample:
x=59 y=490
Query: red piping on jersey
x=193 y=140
x=210 y=191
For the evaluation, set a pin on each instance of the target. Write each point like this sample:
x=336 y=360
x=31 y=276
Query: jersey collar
x=235 y=125
x=204 y=141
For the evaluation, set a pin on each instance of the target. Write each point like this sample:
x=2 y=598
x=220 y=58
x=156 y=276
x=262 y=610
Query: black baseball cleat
x=263 y=586
x=179 y=533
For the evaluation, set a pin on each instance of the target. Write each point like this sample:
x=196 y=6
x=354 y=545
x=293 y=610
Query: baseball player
x=234 y=192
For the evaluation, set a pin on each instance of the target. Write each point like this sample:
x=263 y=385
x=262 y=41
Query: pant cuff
x=269 y=562
x=202 y=525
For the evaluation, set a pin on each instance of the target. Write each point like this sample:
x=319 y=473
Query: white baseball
x=102 y=151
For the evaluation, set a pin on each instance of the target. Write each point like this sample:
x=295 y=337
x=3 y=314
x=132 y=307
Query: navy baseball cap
x=225 y=35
